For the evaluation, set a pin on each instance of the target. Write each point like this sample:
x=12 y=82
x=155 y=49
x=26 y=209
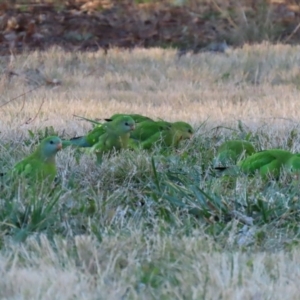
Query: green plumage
x=293 y=164
x=40 y=165
x=230 y=152
x=147 y=133
x=180 y=131
x=116 y=136
x=92 y=137
x=88 y=140
x=268 y=162
x=169 y=135
x=147 y=129
x=136 y=117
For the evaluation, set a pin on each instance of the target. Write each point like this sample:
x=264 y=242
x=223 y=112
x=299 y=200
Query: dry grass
x=145 y=267
x=253 y=84
x=99 y=241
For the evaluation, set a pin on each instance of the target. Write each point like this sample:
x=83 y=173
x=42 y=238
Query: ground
x=195 y=25
x=145 y=225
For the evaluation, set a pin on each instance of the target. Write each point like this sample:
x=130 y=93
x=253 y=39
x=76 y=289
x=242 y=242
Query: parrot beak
x=132 y=127
x=59 y=146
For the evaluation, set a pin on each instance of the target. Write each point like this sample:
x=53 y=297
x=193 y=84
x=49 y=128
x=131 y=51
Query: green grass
x=168 y=198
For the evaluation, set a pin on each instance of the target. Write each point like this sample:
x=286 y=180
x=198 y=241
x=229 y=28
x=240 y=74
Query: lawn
x=146 y=225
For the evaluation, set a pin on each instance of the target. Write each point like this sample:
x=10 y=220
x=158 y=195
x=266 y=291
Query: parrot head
x=186 y=130
x=125 y=124
x=51 y=145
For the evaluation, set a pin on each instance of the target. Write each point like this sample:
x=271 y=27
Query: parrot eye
x=126 y=123
x=51 y=142
x=190 y=131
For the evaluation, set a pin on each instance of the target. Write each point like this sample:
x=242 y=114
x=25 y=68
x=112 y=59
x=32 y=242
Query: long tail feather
x=91 y=121
x=76 y=141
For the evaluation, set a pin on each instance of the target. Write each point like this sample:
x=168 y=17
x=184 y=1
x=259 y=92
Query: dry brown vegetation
x=185 y=24
x=107 y=236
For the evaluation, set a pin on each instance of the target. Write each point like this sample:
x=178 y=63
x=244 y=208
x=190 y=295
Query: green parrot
x=169 y=135
x=40 y=165
x=231 y=151
x=116 y=136
x=92 y=137
x=270 y=162
x=146 y=129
